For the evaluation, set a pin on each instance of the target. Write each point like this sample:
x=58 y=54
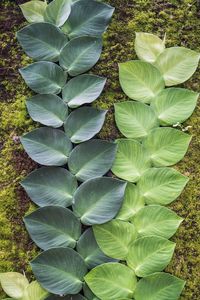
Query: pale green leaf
x=57 y=12
x=13 y=284
x=34 y=291
x=33 y=11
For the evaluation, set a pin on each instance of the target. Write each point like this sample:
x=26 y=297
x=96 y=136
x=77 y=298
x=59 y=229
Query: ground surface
x=180 y=21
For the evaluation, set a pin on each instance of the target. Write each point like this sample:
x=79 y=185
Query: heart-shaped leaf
x=174 y=105
x=49 y=110
x=114 y=238
x=50 y=186
x=111 y=281
x=166 y=146
x=44 y=77
x=83 y=89
x=160 y=286
x=33 y=11
x=53 y=226
x=135 y=119
x=47 y=146
x=150 y=254
x=88 y=18
x=13 y=284
x=57 y=12
x=42 y=41
x=34 y=291
x=80 y=54
x=92 y=159
x=131 y=160
x=177 y=64
x=140 y=80
x=98 y=200
x=156 y=220
x=60 y=270
x=83 y=123
x=161 y=185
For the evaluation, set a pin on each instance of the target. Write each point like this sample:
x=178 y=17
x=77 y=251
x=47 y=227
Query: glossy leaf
x=50 y=186
x=80 y=54
x=60 y=270
x=13 y=284
x=57 y=12
x=34 y=291
x=83 y=89
x=33 y=11
x=92 y=159
x=83 y=123
x=47 y=146
x=134 y=119
x=44 y=77
x=49 y=110
x=140 y=80
x=98 y=200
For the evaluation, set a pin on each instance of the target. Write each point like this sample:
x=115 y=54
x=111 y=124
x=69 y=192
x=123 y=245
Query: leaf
x=131 y=204
x=47 y=146
x=166 y=146
x=88 y=18
x=33 y=11
x=49 y=110
x=84 y=123
x=117 y=280
x=83 y=89
x=160 y=286
x=150 y=254
x=60 y=270
x=34 y=291
x=68 y=297
x=57 y=12
x=135 y=119
x=156 y=220
x=53 y=226
x=80 y=54
x=13 y=284
x=114 y=238
x=42 y=41
x=50 y=186
x=161 y=185
x=98 y=200
x=131 y=160
x=88 y=248
x=177 y=64
x=88 y=293
x=148 y=46
x=91 y=159
x=140 y=80
x=174 y=105
x=44 y=77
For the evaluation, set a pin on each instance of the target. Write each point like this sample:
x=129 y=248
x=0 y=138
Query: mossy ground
x=180 y=21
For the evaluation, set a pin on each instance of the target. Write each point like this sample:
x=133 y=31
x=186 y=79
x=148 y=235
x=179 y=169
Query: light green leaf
x=161 y=185
x=57 y=12
x=88 y=18
x=131 y=160
x=42 y=41
x=150 y=254
x=140 y=80
x=131 y=204
x=50 y=186
x=53 y=226
x=44 y=77
x=13 y=284
x=60 y=270
x=148 y=46
x=156 y=220
x=177 y=64
x=166 y=146
x=49 y=110
x=92 y=159
x=83 y=123
x=160 y=286
x=174 y=105
x=88 y=293
x=111 y=281
x=33 y=11
x=135 y=119
x=114 y=238
x=80 y=54
x=98 y=200
x=83 y=89
x=34 y=291
x=47 y=146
